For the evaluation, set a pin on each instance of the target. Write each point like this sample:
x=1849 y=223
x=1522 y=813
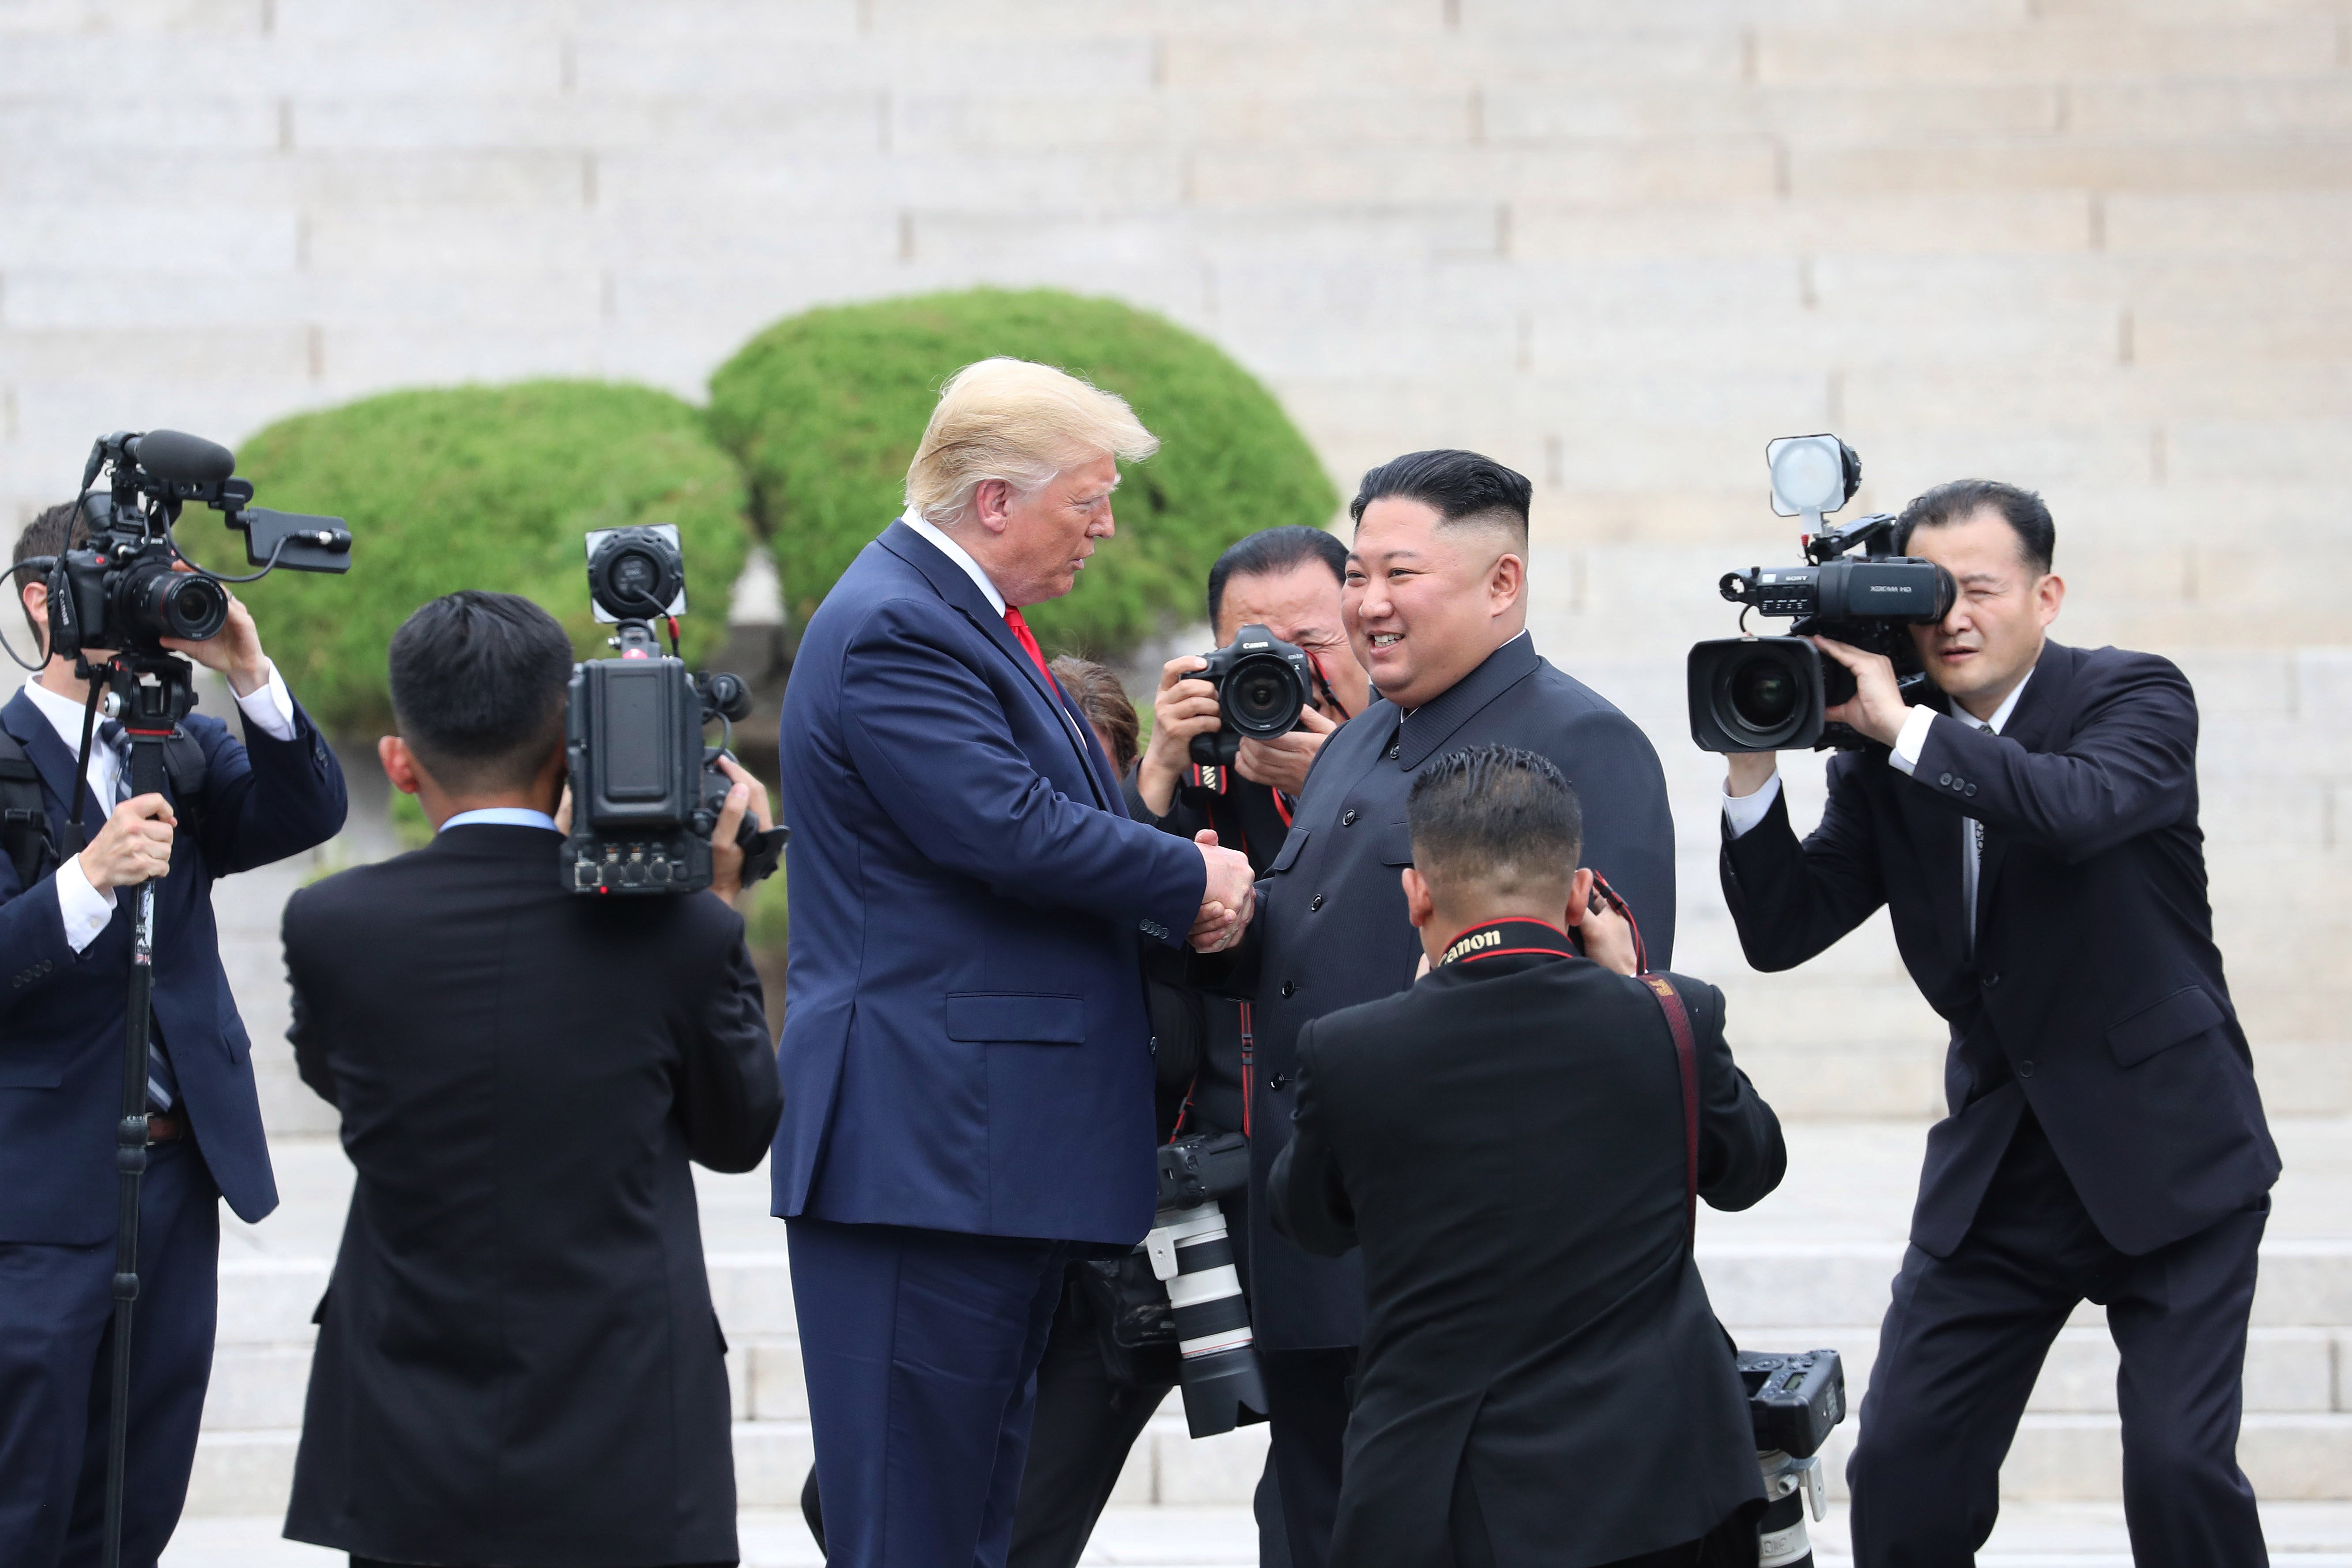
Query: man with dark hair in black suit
x=1542 y=1378
x=2033 y=832
x=1435 y=600
x=518 y=1360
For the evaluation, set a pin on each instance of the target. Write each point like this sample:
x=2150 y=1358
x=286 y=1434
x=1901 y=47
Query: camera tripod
x=153 y=692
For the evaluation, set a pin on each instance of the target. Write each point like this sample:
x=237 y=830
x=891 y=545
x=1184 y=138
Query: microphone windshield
x=189 y=459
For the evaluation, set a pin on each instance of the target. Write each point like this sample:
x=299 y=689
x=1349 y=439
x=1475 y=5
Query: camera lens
x=150 y=601
x=634 y=575
x=1763 y=692
x=635 y=572
x=1264 y=696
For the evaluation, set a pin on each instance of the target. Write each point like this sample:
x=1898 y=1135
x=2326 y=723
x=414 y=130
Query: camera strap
x=1670 y=1003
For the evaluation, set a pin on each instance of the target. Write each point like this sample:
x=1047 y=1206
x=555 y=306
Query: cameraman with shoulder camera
x=2033 y=832
x=518 y=1360
x=65 y=932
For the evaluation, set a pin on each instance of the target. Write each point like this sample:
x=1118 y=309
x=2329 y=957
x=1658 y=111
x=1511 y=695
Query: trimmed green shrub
x=480 y=487
x=826 y=409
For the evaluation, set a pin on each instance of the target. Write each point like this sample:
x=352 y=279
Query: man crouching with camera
x=1509 y=1143
x=517 y=1362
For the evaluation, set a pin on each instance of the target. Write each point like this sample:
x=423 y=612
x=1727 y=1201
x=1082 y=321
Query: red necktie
x=1028 y=640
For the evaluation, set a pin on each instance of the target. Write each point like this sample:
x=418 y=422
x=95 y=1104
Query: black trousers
x=1310 y=1395
x=1965 y=1338
x=57 y=1374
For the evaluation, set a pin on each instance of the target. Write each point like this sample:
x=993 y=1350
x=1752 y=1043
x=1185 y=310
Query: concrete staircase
x=1810 y=1267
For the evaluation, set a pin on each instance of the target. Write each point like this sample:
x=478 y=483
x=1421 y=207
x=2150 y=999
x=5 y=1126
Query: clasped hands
x=1227 y=899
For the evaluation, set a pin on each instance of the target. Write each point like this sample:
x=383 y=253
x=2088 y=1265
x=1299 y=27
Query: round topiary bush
x=825 y=408
x=480 y=487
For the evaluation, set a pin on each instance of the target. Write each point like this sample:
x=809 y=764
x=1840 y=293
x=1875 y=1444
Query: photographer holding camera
x=518 y=1360
x=1514 y=1144
x=2032 y=829
x=65 y=926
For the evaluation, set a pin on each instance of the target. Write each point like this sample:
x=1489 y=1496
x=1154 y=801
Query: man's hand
x=727 y=856
x=1748 y=772
x=1876 y=709
x=134 y=845
x=1227 y=899
x=1182 y=709
x=1607 y=937
x=235 y=651
x=1283 y=761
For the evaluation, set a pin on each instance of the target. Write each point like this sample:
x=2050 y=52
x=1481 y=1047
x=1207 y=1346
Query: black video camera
x=1769 y=694
x=646 y=794
x=1795 y=1399
x=1262 y=685
x=121 y=591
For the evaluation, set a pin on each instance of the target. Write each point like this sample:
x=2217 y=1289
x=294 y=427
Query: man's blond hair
x=1020 y=422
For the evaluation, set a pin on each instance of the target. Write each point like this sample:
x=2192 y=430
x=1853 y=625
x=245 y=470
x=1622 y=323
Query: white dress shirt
x=956 y=554
x=84 y=908
x=1745 y=811
x=501 y=816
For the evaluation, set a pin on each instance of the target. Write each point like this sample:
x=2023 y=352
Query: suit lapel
x=50 y=757
x=958 y=589
x=1435 y=721
x=2034 y=725
x=1929 y=822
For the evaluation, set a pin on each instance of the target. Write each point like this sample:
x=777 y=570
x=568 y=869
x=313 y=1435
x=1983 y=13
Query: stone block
x=269 y=1300
x=2208 y=108
x=752 y=1293
x=621 y=63
x=2295 y=331
x=2297 y=1456
x=2305 y=1283
x=2070 y=164
x=1859 y=110
x=2264 y=225
x=1890 y=223
x=771 y=1463
x=243 y=1472
x=181 y=120
x=779 y=1383
x=257 y=1387
x=984 y=121
x=1684 y=170
x=1220 y=1470
x=2068 y=51
x=817 y=119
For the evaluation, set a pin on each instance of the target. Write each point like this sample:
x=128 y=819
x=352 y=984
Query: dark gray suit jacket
x=1332 y=930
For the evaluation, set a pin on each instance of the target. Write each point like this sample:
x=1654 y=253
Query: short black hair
x=1463 y=486
x=2025 y=512
x=1271 y=550
x=1496 y=818
x=47 y=535
x=479 y=682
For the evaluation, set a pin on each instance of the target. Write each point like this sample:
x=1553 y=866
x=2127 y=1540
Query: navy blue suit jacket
x=2093 y=993
x=62 y=1012
x=965 y=1045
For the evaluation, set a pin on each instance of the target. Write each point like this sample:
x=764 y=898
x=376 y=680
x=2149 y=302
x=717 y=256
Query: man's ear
x=399 y=765
x=2049 y=594
x=992 y=502
x=35 y=595
x=1579 y=896
x=1418 y=907
x=1507 y=581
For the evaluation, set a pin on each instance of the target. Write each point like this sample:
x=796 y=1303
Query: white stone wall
x=2098 y=248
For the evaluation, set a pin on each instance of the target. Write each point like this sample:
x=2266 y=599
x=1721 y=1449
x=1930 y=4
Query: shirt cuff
x=1912 y=739
x=87 y=911
x=270 y=707
x=1742 y=811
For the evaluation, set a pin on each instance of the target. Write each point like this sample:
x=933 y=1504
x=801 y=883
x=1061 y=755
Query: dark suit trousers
x=57 y=1374
x=1965 y=1336
x=1309 y=1392
x=920 y=1347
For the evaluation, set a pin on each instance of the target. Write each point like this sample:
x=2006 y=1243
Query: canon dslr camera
x=1193 y=1256
x=1262 y=688
x=645 y=793
x=1769 y=694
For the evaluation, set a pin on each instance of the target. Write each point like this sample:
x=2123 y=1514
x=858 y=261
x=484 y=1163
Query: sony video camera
x=1263 y=685
x=1769 y=694
x=121 y=591
x=646 y=794
x=1795 y=1399
x=1193 y=1257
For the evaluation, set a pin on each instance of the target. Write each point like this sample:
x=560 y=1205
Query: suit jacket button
x=1290 y=988
x=1971 y=789
x=2025 y=1068
x=1275 y=1082
x=1314 y=903
x=1395 y=752
x=1944 y=778
x=1992 y=980
x=1348 y=818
